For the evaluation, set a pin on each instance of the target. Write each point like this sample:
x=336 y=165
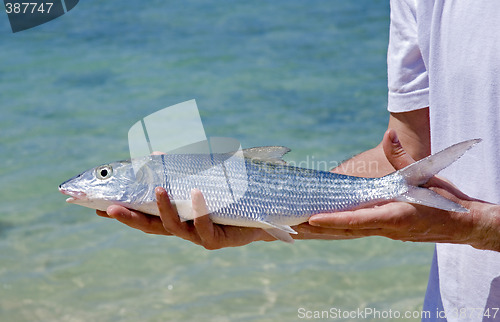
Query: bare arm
x=414 y=133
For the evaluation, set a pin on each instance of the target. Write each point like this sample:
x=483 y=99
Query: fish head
x=101 y=186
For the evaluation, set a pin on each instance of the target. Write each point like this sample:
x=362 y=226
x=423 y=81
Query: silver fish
x=263 y=191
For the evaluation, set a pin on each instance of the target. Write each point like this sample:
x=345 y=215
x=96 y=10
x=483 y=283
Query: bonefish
x=260 y=191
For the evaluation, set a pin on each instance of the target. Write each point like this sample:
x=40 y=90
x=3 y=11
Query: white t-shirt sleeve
x=407 y=75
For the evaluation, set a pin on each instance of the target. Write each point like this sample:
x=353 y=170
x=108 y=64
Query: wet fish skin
x=275 y=196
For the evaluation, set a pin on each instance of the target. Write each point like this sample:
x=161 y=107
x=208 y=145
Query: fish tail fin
x=420 y=172
x=429 y=198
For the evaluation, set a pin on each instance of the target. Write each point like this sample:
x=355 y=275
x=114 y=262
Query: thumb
x=394 y=151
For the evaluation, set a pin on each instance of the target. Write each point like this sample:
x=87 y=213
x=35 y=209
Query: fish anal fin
x=271 y=224
x=280 y=234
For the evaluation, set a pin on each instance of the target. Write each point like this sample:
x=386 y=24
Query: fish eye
x=104 y=172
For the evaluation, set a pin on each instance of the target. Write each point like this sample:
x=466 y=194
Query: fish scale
x=277 y=191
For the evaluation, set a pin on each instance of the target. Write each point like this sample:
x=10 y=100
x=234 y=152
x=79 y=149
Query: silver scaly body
x=278 y=194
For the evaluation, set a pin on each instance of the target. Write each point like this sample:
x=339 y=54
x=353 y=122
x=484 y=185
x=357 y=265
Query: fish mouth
x=73 y=195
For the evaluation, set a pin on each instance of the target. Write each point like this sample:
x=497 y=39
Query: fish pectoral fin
x=427 y=197
x=281 y=232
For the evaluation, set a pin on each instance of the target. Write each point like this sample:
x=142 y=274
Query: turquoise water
x=310 y=75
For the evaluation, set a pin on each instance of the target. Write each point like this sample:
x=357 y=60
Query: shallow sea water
x=310 y=75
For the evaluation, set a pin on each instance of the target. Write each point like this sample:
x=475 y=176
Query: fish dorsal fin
x=270 y=154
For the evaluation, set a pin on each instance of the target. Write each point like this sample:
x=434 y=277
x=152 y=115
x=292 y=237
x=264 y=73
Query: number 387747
x=28 y=7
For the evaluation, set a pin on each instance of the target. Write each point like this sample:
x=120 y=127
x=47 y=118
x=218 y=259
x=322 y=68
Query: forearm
x=413 y=131
x=371 y=163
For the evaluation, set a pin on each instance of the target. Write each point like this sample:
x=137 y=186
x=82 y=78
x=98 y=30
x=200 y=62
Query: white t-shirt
x=446 y=55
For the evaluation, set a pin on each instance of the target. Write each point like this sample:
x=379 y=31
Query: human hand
x=201 y=230
x=479 y=228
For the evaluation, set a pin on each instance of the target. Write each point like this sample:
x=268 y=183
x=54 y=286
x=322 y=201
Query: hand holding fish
x=479 y=228
x=201 y=230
